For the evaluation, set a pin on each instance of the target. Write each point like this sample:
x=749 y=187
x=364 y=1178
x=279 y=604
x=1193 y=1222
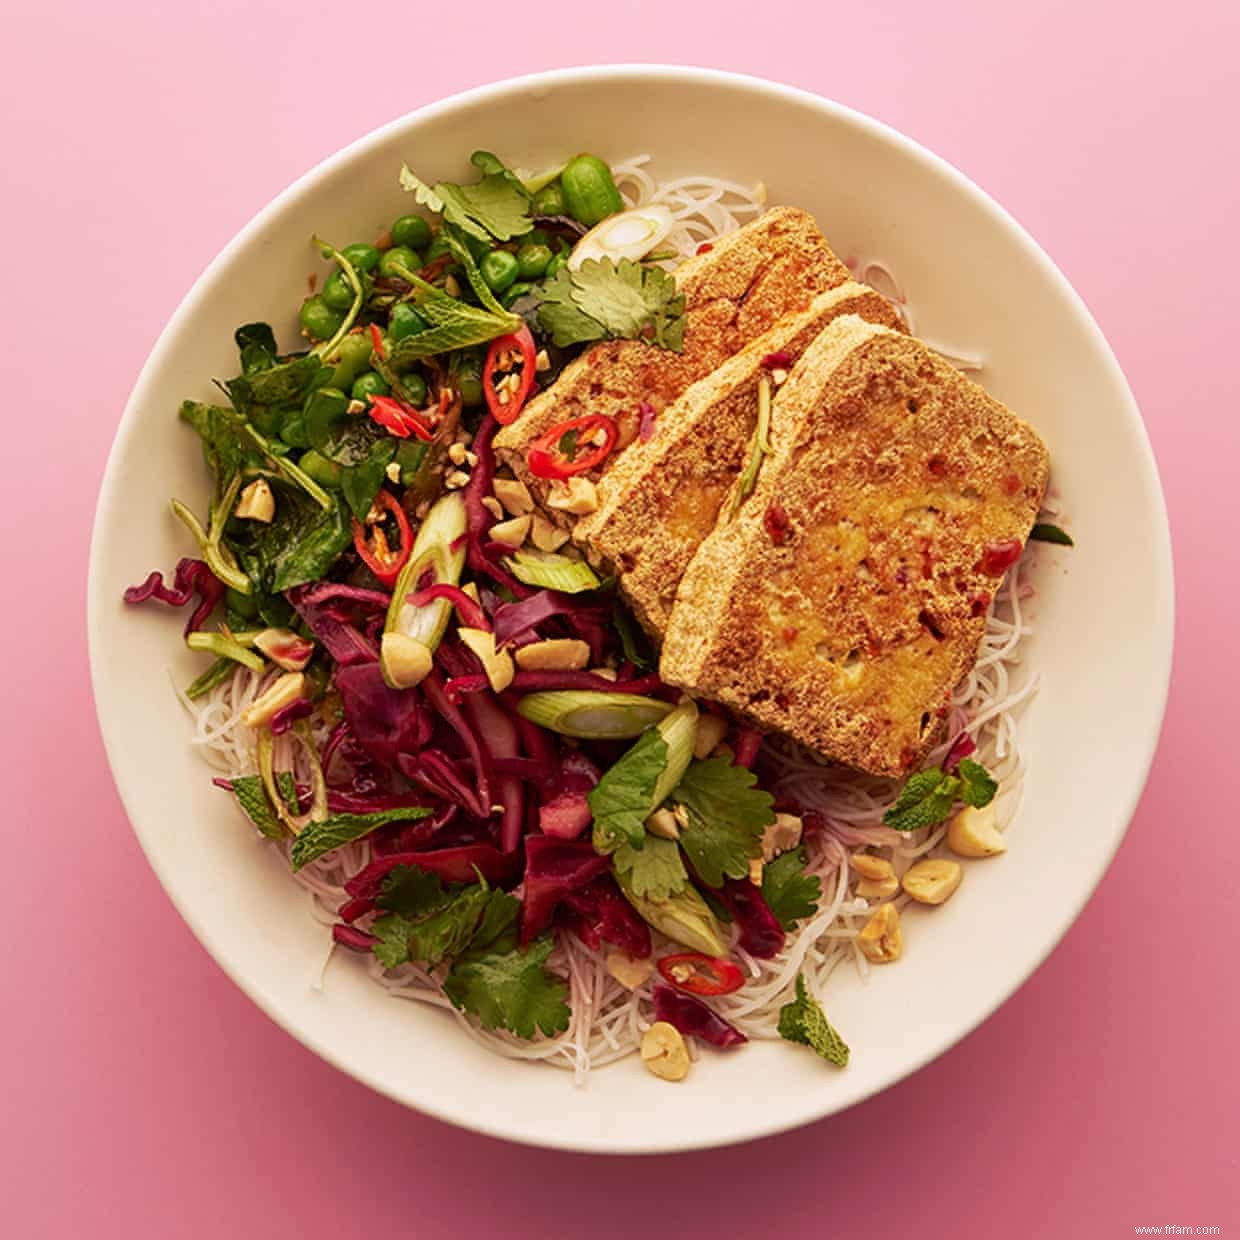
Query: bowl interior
x=977 y=282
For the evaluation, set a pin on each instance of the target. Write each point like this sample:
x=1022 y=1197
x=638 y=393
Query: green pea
x=337 y=292
x=243 y=604
x=318 y=319
x=469 y=376
x=411 y=230
x=362 y=256
x=323 y=471
x=515 y=293
x=367 y=385
x=500 y=269
x=589 y=191
x=550 y=200
x=399 y=256
x=293 y=430
x=415 y=388
x=556 y=263
x=352 y=359
x=532 y=260
x=404 y=321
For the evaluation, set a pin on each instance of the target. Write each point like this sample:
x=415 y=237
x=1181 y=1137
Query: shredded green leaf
x=759 y=446
x=497 y=207
x=928 y=796
x=803 y=1021
x=1047 y=532
x=252 y=797
x=509 y=988
x=978 y=786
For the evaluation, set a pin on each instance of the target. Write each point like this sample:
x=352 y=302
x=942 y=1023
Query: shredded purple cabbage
x=385 y=722
x=192 y=577
x=598 y=913
x=761 y=934
x=694 y=1019
x=346 y=644
x=288 y=715
x=553 y=868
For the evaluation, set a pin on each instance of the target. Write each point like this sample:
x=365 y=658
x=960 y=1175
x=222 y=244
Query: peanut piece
x=932 y=881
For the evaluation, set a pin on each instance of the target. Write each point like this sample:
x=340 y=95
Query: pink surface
x=144 y=1095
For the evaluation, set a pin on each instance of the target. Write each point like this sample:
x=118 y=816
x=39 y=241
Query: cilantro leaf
x=656 y=872
x=978 y=784
x=727 y=814
x=429 y=923
x=499 y=922
x=603 y=300
x=624 y=798
x=926 y=798
x=252 y=797
x=791 y=894
x=317 y=838
x=1046 y=531
x=507 y=988
x=803 y=1021
x=412 y=892
x=496 y=207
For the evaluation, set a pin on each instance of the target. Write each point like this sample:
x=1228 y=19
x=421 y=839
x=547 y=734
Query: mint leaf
x=1045 y=531
x=604 y=300
x=252 y=797
x=803 y=1021
x=454 y=324
x=926 y=798
x=791 y=894
x=978 y=784
x=727 y=814
x=507 y=988
x=624 y=798
x=655 y=872
x=430 y=923
x=286 y=785
x=317 y=838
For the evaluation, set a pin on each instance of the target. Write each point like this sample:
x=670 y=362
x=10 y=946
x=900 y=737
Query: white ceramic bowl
x=1104 y=610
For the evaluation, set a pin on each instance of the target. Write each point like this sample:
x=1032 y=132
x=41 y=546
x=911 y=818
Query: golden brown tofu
x=733 y=293
x=663 y=497
x=849 y=595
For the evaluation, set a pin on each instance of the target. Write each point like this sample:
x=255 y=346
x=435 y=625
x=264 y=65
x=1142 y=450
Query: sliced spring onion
x=552 y=571
x=679 y=732
x=438 y=549
x=224 y=647
x=684 y=917
x=629 y=234
x=318 y=783
x=216 y=674
x=759 y=446
x=591 y=715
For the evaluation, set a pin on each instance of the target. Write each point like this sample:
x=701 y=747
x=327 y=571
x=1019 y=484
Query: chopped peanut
x=628 y=972
x=781 y=836
x=975 y=833
x=257 y=503
x=932 y=881
x=514 y=495
x=663 y=824
x=555 y=654
x=880 y=939
x=576 y=495
x=711 y=729
x=405 y=660
x=512 y=532
x=496 y=663
x=664 y=1052
x=545 y=536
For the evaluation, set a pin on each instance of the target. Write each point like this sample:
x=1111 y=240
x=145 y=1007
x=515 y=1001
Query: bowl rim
x=1158 y=677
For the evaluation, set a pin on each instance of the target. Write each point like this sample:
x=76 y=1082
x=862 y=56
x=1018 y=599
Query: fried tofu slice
x=663 y=497
x=734 y=292
x=848 y=596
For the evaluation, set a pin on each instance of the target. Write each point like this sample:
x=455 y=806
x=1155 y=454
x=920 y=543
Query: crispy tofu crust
x=848 y=596
x=663 y=497
x=733 y=293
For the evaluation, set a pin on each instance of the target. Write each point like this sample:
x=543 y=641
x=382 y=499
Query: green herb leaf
x=632 y=639
x=623 y=799
x=1044 y=531
x=257 y=345
x=222 y=433
x=978 y=786
x=496 y=207
x=412 y=892
x=252 y=797
x=280 y=384
x=507 y=988
x=317 y=838
x=454 y=324
x=926 y=798
x=791 y=894
x=300 y=543
x=604 y=300
x=286 y=785
x=727 y=815
x=360 y=483
x=653 y=872
x=803 y=1021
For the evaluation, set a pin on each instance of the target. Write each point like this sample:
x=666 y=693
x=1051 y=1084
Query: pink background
x=143 y=1094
